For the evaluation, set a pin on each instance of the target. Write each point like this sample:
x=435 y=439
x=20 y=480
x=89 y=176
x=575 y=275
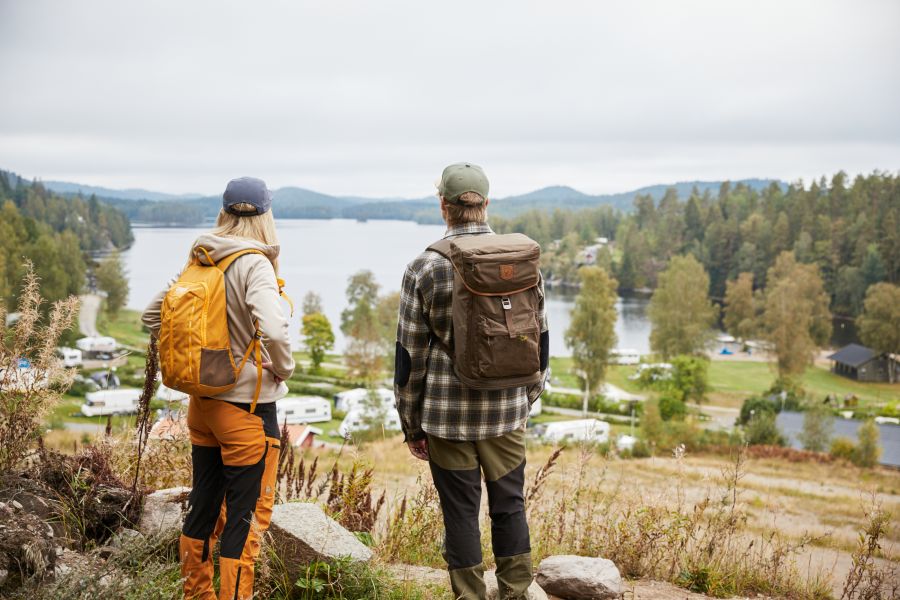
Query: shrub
x=756 y=405
x=762 y=429
x=843 y=447
x=868 y=449
x=671 y=408
x=818 y=425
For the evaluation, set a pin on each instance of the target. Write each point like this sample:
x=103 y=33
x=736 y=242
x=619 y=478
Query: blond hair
x=259 y=228
x=472 y=209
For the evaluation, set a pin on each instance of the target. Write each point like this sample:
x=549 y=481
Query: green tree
x=591 y=333
x=112 y=279
x=680 y=311
x=879 y=323
x=818 y=426
x=868 y=446
x=652 y=427
x=318 y=338
x=740 y=308
x=796 y=319
x=359 y=322
x=689 y=379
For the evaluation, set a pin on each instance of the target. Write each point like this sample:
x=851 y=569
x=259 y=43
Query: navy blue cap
x=247 y=190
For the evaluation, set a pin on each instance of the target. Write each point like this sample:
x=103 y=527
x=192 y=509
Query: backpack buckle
x=507 y=304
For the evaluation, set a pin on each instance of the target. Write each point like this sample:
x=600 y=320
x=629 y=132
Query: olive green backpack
x=497 y=342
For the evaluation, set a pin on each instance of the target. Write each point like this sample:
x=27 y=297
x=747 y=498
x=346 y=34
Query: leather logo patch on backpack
x=507 y=272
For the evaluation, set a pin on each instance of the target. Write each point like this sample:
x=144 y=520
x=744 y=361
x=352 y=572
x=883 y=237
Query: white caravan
x=356 y=420
x=71 y=357
x=347 y=401
x=167 y=394
x=297 y=410
x=536 y=408
x=577 y=430
x=96 y=344
x=123 y=401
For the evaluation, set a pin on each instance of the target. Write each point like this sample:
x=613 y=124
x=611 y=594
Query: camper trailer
x=71 y=357
x=536 y=408
x=356 y=420
x=97 y=347
x=296 y=410
x=578 y=430
x=167 y=394
x=122 y=401
x=347 y=401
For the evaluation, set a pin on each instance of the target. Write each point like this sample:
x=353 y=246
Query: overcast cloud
x=374 y=98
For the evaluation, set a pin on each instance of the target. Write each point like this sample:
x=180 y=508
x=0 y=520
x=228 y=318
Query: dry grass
x=28 y=395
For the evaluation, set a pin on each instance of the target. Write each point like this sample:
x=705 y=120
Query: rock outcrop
x=302 y=533
x=580 y=578
x=164 y=511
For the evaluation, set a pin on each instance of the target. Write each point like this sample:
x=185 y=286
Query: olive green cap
x=459 y=178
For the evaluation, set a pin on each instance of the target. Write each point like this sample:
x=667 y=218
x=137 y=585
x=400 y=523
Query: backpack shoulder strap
x=226 y=262
x=442 y=247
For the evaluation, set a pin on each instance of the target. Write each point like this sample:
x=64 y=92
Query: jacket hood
x=219 y=247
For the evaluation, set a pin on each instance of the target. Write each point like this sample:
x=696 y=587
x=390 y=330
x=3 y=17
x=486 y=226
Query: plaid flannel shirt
x=433 y=400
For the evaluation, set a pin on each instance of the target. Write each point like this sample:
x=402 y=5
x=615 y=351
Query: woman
x=234 y=438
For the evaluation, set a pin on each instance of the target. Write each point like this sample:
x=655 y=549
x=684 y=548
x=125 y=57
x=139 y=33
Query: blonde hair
x=259 y=228
x=473 y=210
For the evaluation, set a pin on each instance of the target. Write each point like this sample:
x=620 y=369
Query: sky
x=375 y=98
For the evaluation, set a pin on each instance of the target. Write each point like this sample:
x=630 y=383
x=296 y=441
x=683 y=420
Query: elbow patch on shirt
x=545 y=349
x=402 y=366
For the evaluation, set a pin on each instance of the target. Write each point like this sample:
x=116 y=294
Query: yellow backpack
x=194 y=343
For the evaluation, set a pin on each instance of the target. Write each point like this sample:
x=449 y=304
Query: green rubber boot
x=514 y=576
x=468 y=583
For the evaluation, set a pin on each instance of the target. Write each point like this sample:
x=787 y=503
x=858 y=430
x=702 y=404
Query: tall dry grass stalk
x=28 y=394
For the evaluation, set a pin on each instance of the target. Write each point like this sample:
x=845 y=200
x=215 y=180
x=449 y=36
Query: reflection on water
x=321 y=256
x=791 y=424
x=632 y=325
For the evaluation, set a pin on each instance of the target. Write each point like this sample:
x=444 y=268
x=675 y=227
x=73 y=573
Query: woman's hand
x=268 y=367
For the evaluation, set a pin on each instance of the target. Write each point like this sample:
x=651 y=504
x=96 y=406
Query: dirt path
x=87 y=318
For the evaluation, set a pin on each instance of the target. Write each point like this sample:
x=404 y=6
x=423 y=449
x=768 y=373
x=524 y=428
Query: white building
x=577 y=430
x=346 y=401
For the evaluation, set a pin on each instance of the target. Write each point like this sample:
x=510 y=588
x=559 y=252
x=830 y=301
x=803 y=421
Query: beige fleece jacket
x=251 y=295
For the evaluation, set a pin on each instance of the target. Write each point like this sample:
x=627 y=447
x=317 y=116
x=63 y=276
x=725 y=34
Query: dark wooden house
x=861 y=363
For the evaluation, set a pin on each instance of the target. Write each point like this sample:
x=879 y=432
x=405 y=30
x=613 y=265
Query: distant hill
x=295 y=202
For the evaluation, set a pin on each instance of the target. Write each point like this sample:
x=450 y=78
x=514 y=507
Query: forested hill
x=294 y=202
x=56 y=233
x=849 y=229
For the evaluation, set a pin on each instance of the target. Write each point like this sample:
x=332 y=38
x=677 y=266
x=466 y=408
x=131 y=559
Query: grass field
x=733 y=381
x=126 y=328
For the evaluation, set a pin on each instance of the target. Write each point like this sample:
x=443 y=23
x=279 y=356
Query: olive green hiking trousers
x=457 y=469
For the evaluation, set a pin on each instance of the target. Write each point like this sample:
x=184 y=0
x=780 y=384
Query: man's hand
x=268 y=367
x=419 y=448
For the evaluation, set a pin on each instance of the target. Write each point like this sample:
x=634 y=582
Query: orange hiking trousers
x=235 y=455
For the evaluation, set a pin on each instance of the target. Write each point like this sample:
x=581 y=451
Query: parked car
x=123 y=401
x=296 y=410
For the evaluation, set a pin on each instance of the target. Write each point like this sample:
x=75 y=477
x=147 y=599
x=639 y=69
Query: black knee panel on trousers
x=206 y=496
x=460 y=494
x=506 y=505
x=240 y=502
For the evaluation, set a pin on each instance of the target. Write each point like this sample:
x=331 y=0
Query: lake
x=791 y=424
x=320 y=255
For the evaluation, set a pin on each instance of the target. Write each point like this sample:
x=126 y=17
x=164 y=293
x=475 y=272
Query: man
x=463 y=432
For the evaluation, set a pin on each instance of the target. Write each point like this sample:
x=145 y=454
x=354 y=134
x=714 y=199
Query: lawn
x=126 y=327
x=732 y=381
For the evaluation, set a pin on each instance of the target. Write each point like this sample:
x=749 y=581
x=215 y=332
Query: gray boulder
x=580 y=578
x=490 y=581
x=302 y=533
x=164 y=511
